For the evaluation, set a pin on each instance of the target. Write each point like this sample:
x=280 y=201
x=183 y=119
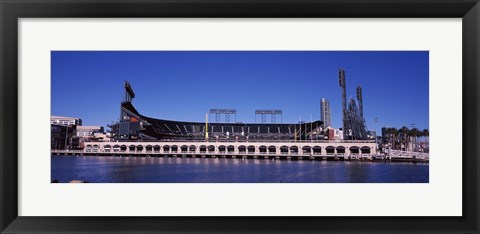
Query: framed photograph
x=230 y=145
x=277 y=116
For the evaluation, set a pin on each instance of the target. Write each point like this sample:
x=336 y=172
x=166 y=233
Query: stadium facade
x=136 y=134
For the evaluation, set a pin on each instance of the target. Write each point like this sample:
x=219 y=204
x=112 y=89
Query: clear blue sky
x=185 y=85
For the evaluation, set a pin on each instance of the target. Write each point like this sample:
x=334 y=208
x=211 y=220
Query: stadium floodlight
x=272 y=113
x=360 y=99
x=268 y=112
x=225 y=112
x=129 y=93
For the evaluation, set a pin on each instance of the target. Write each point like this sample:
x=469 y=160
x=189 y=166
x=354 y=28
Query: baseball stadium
x=136 y=134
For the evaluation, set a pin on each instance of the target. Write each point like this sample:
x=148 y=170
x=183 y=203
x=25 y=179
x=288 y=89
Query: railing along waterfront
x=245 y=141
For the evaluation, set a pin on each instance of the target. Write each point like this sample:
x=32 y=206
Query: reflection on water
x=221 y=170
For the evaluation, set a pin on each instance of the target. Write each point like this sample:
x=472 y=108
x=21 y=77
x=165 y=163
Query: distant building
x=102 y=136
x=65 y=121
x=63 y=132
x=89 y=131
x=325 y=112
x=92 y=133
x=338 y=134
x=63 y=137
x=331 y=133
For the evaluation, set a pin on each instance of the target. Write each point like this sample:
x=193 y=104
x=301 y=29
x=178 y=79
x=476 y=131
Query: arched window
x=294 y=149
x=242 y=149
x=365 y=150
x=251 y=149
x=272 y=149
x=354 y=150
x=330 y=150
x=306 y=149
x=262 y=149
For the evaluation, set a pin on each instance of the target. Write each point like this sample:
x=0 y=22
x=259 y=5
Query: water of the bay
x=224 y=170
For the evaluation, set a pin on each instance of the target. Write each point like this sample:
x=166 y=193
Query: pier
x=407 y=156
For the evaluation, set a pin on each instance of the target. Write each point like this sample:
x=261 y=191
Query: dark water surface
x=221 y=170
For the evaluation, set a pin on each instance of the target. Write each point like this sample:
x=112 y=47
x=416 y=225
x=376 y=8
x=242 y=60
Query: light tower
x=360 y=100
x=206 y=127
x=343 y=85
x=128 y=97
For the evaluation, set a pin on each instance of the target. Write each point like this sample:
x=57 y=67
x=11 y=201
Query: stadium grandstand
x=134 y=126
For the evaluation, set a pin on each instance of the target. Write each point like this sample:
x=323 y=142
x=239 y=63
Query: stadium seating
x=179 y=130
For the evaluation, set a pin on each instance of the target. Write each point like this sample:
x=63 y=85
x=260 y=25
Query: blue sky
x=184 y=85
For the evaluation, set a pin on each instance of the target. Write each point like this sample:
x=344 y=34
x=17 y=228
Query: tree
x=414 y=132
x=404 y=131
x=392 y=134
x=426 y=133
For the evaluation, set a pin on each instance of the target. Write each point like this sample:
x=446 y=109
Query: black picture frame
x=11 y=11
